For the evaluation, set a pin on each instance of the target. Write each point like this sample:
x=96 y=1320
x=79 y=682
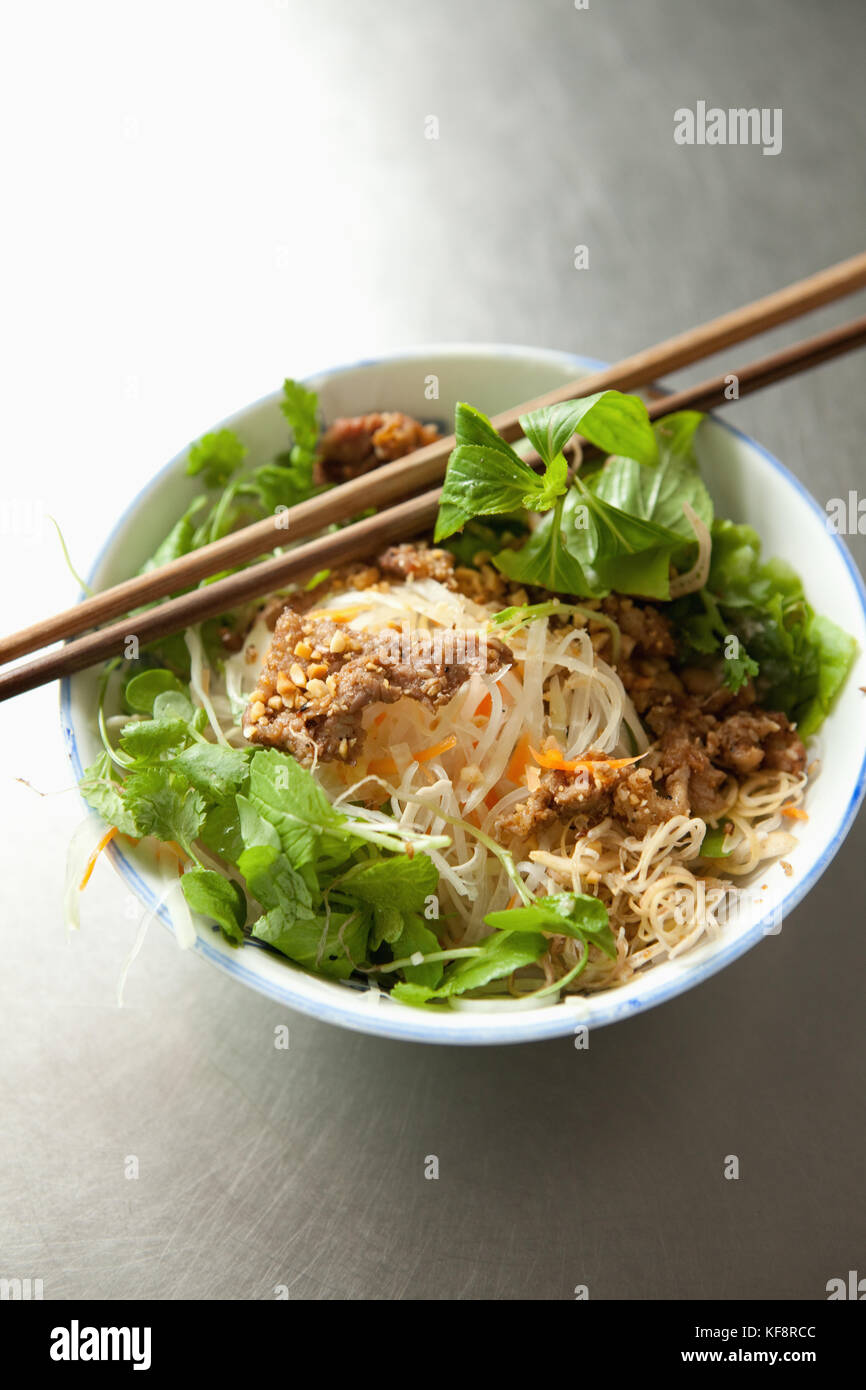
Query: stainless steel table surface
x=203 y=198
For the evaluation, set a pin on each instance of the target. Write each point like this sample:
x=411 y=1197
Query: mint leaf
x=395 y=888
x=414 y=937
x=288 y=796
x=578 y=915
x=274 y=883
x=329 y=947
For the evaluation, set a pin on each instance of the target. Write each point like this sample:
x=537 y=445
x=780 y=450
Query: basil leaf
x=616 y=423
x=548 y=558
x=658 y=493
x=482 y=480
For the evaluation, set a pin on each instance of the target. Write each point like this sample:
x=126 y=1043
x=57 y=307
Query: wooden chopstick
x=426 y=466
x=400 y=522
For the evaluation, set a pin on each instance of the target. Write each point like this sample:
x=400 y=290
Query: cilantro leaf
x=105 y=796
x=216 y=456
x=163 y=803
x=300 y=407
x=213 y=769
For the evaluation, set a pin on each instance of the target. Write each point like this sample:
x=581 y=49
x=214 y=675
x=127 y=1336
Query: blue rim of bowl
x=519 y=1027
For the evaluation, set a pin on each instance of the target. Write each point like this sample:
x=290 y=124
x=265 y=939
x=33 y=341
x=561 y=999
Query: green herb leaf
x=578 y=915
x=548 y=559
x=105 y=796
x=395 y=888
x=151 y=739
x=164 y=804
x=213 y=769
x=414 y=937
x=616 y=423
x=500 y=955
x=216 y=897
x=289 y=797
x=481 y=480
x=300 y=406
x=142 y=689
x=658 y=493
x=331 y=947
x=216 y=456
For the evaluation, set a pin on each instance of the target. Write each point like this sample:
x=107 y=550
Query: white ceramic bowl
x=747 y=484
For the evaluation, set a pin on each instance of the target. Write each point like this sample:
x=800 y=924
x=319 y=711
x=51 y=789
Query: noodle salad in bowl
x=528 y=759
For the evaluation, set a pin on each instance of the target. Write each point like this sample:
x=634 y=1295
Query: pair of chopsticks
x=386 y=486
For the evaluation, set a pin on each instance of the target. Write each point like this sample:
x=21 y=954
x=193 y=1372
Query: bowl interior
x=747 y=484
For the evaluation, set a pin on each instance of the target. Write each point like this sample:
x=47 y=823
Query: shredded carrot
x=380 y=716
x=106 y=839
x=794 y=812
x=553 y=759
x=433 y=752
x=485 y=707
x=384 y=767
x=519 y=758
